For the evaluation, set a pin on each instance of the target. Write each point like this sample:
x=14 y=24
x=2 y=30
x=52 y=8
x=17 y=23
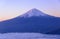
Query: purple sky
x=13 y=8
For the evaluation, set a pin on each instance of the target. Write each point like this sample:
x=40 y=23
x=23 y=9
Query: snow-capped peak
x=33 y=12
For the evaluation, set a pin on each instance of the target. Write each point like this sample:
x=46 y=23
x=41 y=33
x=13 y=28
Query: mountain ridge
x=35 y=12
x=39 y=24
x=31 y=13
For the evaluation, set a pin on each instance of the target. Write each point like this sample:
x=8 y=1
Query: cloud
x=27 y=36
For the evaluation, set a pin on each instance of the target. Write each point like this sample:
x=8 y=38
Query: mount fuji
x=34 y=12
x=32 y=21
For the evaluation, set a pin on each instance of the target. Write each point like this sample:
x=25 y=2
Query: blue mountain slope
x=32 y=21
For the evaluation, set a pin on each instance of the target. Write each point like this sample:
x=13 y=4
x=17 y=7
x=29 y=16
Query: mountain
x=34 y=12
x=32 y=21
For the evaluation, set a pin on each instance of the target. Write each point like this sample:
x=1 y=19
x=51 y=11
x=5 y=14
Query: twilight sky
x=12 y=8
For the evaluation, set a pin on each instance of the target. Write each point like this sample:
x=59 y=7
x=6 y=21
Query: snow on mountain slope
x=34 y=12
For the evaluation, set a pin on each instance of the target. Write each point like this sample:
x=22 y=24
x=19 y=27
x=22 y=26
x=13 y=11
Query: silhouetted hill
x=32 y=21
